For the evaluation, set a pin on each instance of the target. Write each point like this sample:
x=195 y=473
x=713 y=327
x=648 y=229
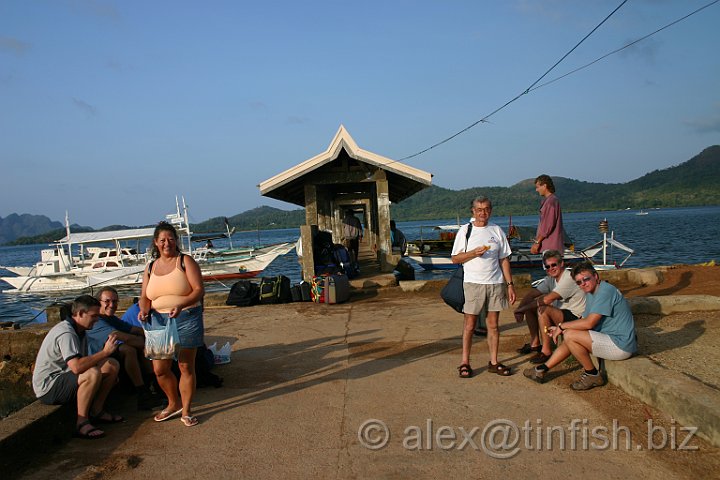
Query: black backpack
x=275 y=290
x=243 y=294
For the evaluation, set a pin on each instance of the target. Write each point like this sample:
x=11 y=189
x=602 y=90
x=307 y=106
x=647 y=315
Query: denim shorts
x=189 y=325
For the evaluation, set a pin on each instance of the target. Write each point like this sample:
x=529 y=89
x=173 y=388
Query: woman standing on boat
x=172 y=288
x=550 y=230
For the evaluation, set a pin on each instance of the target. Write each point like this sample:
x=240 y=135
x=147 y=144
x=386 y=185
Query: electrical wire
x=534 y=86
x=625 y=46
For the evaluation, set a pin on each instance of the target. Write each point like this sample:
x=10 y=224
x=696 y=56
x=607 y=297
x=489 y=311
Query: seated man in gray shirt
x=63 y=374
x=556 y=298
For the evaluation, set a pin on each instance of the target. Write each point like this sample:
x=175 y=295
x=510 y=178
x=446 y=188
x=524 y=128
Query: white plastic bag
x=221 y=356
x=163 y=343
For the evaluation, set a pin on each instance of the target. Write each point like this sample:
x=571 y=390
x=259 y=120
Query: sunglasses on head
x=583 y=280
x=548 y=266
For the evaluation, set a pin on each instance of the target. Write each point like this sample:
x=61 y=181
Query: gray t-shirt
x=60 y=345
x=571 y=297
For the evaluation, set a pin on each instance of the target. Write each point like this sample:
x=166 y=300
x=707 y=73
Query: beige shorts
x=477 y=295
x=604 y=347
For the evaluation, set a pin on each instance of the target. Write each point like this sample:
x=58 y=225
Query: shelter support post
x=307 y=263
x=385 y=254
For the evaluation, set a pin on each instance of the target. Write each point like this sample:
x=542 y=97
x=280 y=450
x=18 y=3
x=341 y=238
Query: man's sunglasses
x=548 y=266
x=583 y=280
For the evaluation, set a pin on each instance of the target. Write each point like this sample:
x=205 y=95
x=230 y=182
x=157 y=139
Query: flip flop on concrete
x=167 y=415
x=189 y=420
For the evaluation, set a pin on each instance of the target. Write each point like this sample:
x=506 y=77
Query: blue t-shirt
x=130 y=316
x=617 y=320
x=98 y=335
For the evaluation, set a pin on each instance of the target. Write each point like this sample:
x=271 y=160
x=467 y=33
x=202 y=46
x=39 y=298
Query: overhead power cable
x=534 y=85
x=625 y=46
x=484 y=119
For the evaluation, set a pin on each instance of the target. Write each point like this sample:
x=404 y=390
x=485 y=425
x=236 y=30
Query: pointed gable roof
x=403 y=180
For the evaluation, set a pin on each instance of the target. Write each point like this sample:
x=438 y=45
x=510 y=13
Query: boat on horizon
x=77 y=262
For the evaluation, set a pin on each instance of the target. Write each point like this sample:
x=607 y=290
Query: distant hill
x=692 y=183
x=14 y=226
x=262 y=218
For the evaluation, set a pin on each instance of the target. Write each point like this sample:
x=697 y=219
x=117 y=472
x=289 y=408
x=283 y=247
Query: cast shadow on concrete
x=274 y=370
x=654 y=340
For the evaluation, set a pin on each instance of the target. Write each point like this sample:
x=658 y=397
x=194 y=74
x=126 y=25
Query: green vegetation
x=693 y=183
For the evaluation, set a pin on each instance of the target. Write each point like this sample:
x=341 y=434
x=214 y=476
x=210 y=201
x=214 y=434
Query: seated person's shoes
x=588 y=381
x=540 y=358
x=528 y=349
x=535 y=374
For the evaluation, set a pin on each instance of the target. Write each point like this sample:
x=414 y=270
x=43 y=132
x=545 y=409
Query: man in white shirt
x=556 y=298
x=487 y=280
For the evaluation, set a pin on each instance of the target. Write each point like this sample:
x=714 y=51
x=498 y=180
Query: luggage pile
x=326 y=288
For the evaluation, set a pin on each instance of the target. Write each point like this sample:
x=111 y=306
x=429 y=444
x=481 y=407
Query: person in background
x=173 y=288
x=130 y=352
x=397 y=238
x=64 y=373
x=487 y=281
x=555 y=299
x=352 y=234
x=131 y=314
x=550 y=231
x=606 y=330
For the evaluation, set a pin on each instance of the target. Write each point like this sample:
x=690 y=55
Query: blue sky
x=109 y=109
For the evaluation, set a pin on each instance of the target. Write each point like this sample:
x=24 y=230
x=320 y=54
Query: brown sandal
x=465 y=371
x=499 y=368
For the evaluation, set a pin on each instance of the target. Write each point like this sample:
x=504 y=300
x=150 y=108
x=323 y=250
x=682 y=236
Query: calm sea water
x=662 y=237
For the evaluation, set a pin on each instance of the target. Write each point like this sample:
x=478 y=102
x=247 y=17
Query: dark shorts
x=189 y=324
x=568 y=316
x=352 y=244
x=64 y=390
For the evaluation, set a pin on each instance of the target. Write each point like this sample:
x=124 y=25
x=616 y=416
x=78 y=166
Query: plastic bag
x=162 y=343
x=221 y=356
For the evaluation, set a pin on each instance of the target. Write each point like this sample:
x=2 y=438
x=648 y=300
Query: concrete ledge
x=690 y=402
x=673 y=304
x=412 y=285
x=32 y=432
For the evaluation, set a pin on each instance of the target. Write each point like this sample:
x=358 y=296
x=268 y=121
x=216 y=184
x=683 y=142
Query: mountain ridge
x=695 y=182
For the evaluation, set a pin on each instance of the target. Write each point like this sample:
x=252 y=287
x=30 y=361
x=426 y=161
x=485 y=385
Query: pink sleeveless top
x=164 y=290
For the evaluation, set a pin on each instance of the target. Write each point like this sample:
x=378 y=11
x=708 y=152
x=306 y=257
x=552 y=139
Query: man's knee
x=111 y=365
x=491 y=321
x=91 y=376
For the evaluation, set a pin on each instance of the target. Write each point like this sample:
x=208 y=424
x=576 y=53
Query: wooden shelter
x=346 y=177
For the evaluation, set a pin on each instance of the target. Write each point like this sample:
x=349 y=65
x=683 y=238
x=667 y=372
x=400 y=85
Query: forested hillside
x=692 y=183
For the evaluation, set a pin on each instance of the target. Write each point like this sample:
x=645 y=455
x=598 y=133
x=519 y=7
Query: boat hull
x=518 y=260
x=225 y=267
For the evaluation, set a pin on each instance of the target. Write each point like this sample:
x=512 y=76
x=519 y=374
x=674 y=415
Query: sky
x=111 y=109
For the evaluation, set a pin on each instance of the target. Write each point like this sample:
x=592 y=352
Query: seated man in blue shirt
x=130 y=352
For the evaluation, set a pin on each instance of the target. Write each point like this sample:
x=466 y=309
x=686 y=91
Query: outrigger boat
x=61 y=269
x=434 y=253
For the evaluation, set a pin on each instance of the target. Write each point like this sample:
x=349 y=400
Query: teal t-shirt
x=617 y=320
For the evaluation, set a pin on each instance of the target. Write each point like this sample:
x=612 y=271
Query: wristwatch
x=510 y=283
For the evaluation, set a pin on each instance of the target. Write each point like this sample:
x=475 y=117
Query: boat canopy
x=110 y=236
